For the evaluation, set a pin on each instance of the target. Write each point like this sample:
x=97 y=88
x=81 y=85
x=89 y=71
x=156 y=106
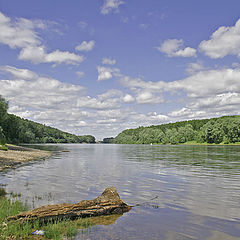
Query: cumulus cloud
x=192 y=68
x=39 y=55
x=110 y=94
x=128 y=98
x=223 y=101
x=147 y=97
x=66 y=106
x=205 y=93
x=26 y=88
x=110 y=5
x=138 y=83
x=209 y=82
x=224 y=41
x=187 y=113
x=19 y=73
x=108 y=61
x=174 y=48
x=86 y=46
x=95 y=103
x=21 y=33
x=154 y=116
x=218 y=105
x=201 y=84
x=105 y=73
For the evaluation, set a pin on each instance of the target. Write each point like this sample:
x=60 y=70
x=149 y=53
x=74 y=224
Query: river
x=184 y=192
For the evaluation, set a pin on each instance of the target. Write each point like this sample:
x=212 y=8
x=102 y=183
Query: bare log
x=107 y=203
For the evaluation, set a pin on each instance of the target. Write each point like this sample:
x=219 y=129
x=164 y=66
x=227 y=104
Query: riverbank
x=210 y=144
x=17 y=155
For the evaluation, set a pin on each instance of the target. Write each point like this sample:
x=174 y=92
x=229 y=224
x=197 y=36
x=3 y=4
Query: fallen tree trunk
x=107 y=203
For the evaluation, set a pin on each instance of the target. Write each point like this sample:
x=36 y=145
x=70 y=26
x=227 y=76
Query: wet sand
x=17 y=155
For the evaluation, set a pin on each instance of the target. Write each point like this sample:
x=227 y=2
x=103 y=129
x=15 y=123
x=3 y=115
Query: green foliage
x=108 y=140
x=2 y=192
x=23 y=230
x=216 y=130
x=2 y=137
x=3 y=109
x=212 y=132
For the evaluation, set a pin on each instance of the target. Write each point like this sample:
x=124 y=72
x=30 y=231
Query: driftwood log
x=107 y=203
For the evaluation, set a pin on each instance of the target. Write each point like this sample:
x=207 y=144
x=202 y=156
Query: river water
x=184 y=192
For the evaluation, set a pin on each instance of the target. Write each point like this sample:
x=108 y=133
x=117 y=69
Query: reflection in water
x=189 y=192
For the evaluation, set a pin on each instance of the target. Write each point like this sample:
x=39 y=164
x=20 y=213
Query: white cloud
x=209 y=82
x=201 y=84
x=95 y=103
x=195 y=67
x=80 y=74
x=21 y=33
x=174 y=48
x=108 y=61
x=128 y=98
x=219 y=101
x=218 y=105
x=187 y=113
x=105 y=73
x=37 y=92
x=65 y=106
x=19 y=73
x=37 y=54
x=205 y=93
x=147 y=97
x=110 y=5
x=137 y=83
x=110 y=94
x=154 y=116
x=86 y=46
x=63 y=57
x=224 y=41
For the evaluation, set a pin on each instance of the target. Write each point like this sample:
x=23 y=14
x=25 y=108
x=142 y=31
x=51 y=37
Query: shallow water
x=184 y=192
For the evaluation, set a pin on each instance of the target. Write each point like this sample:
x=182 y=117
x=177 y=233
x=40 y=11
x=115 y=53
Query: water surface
x=184 y=192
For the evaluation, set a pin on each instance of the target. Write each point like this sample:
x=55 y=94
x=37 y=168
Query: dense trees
x=3 y=116
x=216 y=130
x=14 y=129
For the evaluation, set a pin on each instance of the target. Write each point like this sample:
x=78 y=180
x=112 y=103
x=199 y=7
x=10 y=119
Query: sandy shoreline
x=16 y=155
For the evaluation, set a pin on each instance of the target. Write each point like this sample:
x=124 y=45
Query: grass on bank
x=16 y=230
x=3 y=147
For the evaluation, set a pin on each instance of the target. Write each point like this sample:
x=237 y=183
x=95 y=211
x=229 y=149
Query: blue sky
x=101 y=66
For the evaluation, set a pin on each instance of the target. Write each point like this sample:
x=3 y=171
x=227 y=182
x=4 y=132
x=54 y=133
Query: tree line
x=224 y=130
x=14 y=129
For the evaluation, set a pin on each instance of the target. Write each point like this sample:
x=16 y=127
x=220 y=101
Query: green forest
x=223 y=130
x=14 y=129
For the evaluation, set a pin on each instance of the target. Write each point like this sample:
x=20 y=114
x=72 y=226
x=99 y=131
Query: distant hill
x=19 y=130
x=215 y=130
x=14 y=129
